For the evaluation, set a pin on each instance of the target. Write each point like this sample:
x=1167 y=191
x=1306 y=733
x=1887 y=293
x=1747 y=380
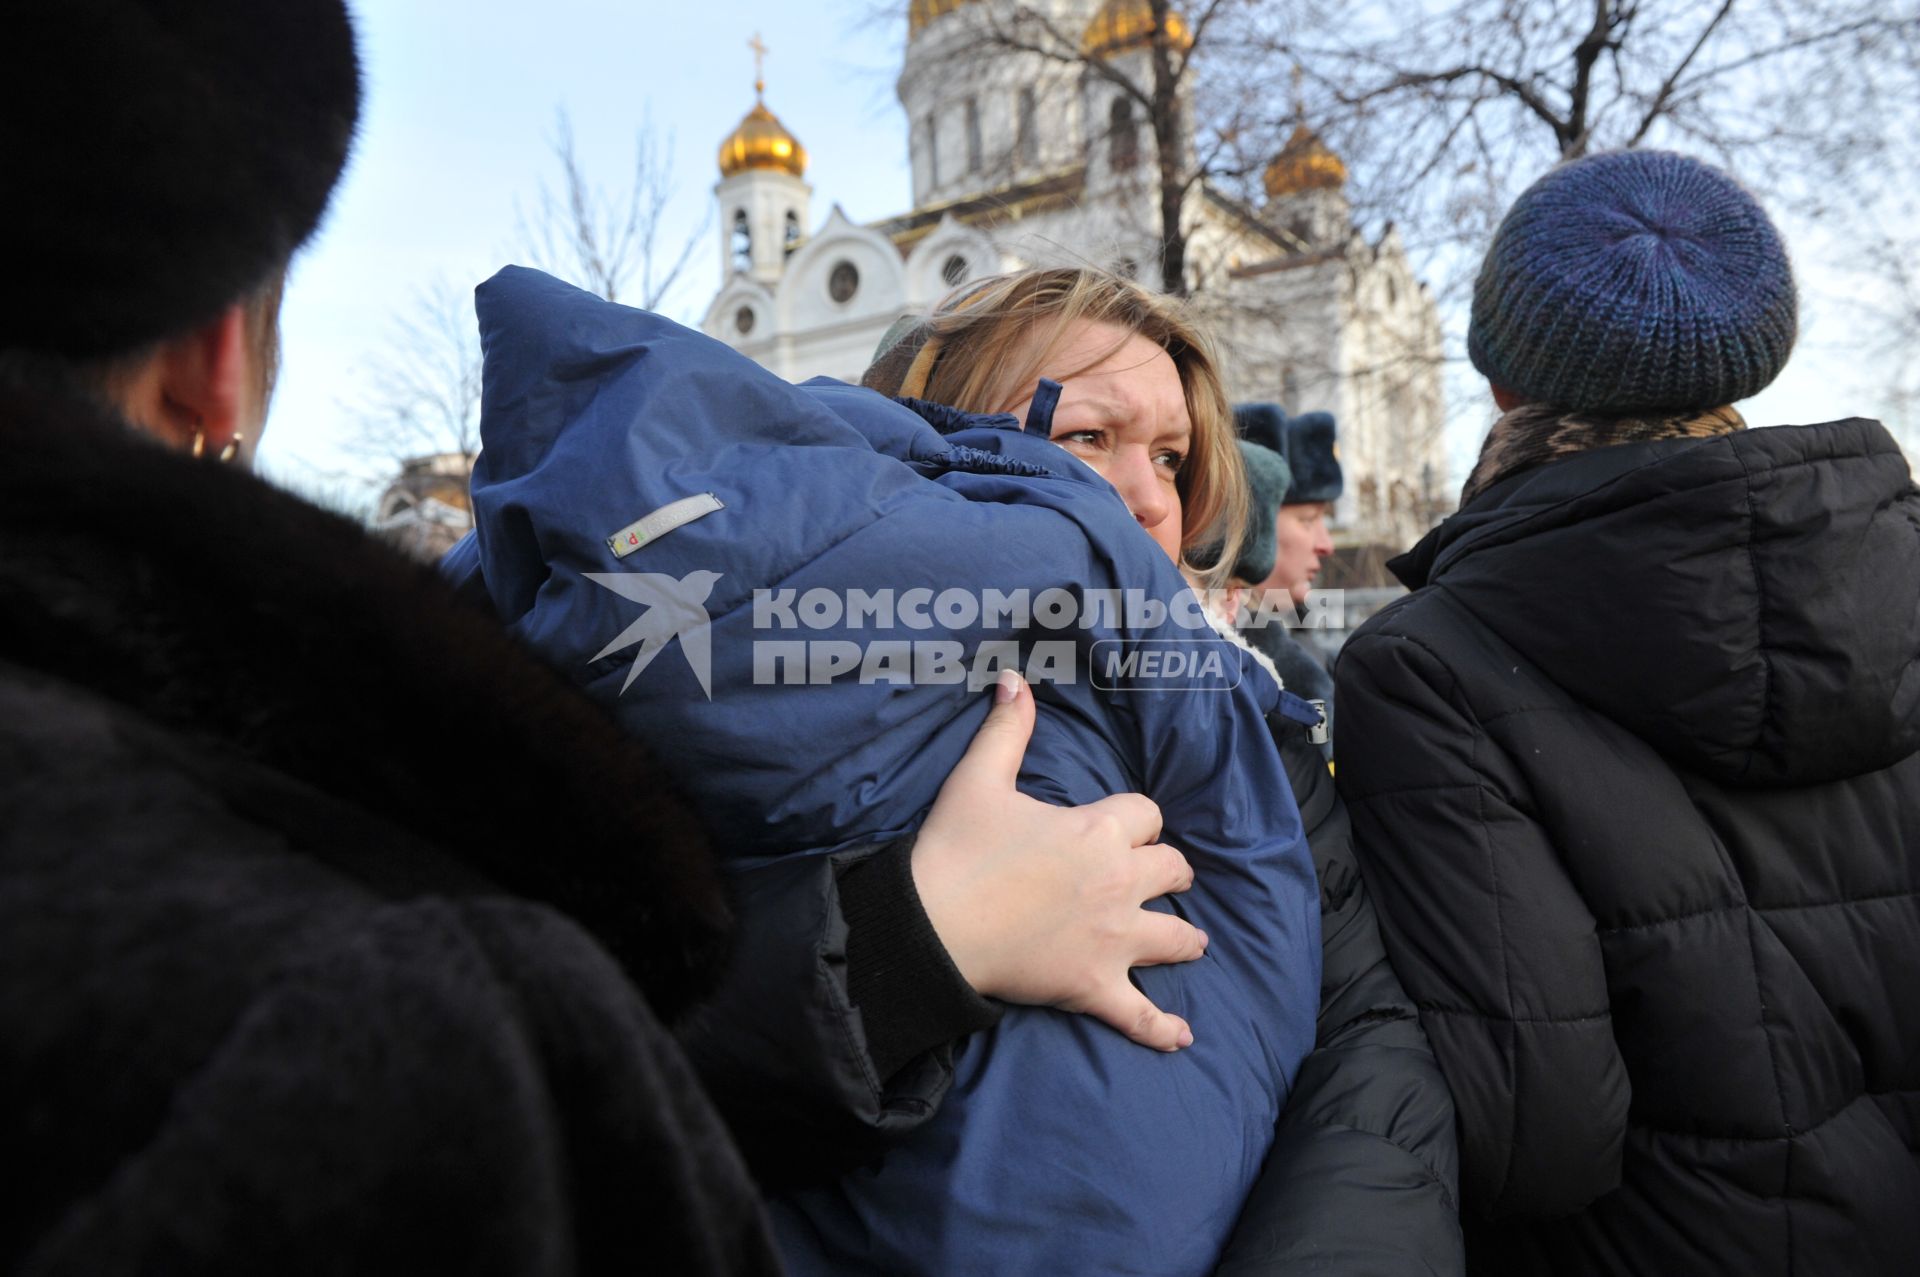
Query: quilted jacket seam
x=1876 y=898
x=1500 y=937
x=1860 y=1097
x=1768 y=682
x=1733 y=906
x=1671 y=919
x=1426 y=1168
x=1589 y=1018
x=1779 y=1088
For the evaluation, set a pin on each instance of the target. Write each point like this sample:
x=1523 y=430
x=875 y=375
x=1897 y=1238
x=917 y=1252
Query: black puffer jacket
x=1634 y=780
x=329 y=920
x=1363 y=1179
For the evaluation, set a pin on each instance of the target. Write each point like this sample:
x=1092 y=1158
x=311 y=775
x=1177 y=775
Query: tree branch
x=1517 y=89
x=1659 y=104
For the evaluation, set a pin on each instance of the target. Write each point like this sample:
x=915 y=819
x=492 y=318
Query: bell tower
x=763 y=194
x=1306 y=185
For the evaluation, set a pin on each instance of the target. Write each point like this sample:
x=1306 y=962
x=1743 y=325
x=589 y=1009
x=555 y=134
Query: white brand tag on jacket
x=652 y=527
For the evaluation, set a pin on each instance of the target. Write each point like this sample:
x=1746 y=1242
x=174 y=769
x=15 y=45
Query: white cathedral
x=1021 y=160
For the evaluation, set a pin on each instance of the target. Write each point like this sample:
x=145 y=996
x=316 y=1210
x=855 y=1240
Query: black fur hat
x=162 y=158
x=1308 y=442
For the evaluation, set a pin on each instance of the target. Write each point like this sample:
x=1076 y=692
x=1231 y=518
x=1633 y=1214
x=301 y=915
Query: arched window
x=1123 y=137
x=742 y=243
x=975 y=159
x=793 y=232
x=1026 y=138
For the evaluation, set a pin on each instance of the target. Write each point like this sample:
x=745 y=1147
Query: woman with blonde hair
x=1147 y=410
x=1039 y=1141
x=1362 y=1177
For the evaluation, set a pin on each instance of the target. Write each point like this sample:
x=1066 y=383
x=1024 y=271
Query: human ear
x=1503 y=399
x=200 y=390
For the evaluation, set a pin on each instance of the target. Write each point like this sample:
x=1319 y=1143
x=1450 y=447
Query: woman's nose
x=1139 y=483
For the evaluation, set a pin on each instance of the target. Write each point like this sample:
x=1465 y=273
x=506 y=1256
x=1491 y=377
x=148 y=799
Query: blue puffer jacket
x=1062 y=1148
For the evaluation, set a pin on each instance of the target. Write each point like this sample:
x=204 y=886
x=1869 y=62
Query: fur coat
x=335 y=933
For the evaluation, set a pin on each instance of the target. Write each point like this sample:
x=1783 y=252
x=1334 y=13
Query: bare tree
x=418 y=414
x=1450 y=107
x=1895 y=304
x=1493 y=90
x=422 y=393
x=1160 y=86
x=600 y=239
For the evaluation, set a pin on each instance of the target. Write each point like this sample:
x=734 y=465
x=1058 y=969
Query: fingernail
x=1186 y=1037
x=1007 y=687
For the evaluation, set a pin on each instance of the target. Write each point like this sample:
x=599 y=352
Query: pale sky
x=461 y=96
x=459 y=110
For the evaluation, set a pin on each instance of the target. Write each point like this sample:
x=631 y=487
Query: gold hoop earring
x=228 y=453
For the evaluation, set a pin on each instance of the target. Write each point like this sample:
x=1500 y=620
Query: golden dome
x=1305 y=163
x=921 y=12
x=1126 y=24
x=761 y=141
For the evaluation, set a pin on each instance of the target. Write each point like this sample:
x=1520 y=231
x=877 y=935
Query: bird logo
x=677 y=609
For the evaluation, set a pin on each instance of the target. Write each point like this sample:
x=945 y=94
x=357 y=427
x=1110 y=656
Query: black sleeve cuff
x=910 y=995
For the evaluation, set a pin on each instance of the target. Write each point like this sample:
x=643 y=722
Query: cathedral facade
x=1020 y=159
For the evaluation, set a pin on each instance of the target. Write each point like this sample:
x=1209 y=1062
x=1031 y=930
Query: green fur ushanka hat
x=1268 y=479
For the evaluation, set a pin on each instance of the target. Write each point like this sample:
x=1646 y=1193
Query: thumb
x=1127 y=1009
x=1000 y=744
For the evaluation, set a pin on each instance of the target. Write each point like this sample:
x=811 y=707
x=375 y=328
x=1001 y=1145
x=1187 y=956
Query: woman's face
x=1301 y=541
x=1122 y=411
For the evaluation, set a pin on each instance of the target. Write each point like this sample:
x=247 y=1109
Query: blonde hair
x=984 y=346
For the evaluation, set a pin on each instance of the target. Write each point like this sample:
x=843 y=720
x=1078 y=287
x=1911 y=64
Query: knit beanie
x=163 y=158
x=1267 y=482
x=1633 y=281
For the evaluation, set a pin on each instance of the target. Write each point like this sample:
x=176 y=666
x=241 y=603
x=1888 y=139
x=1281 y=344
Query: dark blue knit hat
x=1633 y=281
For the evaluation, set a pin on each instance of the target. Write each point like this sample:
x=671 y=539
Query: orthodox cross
x=759 y=63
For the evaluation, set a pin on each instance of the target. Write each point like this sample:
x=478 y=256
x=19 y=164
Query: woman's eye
x=1170 y=460
x=1086 y=438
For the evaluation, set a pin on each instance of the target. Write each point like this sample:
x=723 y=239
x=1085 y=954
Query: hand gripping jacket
x=1062 y=1147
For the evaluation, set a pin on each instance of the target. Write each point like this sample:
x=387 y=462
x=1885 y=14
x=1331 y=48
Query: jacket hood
x=1749 y=604
x=260 y=628
x=597 y=418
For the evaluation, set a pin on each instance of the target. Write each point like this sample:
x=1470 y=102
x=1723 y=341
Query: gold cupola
x=760 y=140
x=921 y=12
x=1128 y=24
x=1305 y=163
